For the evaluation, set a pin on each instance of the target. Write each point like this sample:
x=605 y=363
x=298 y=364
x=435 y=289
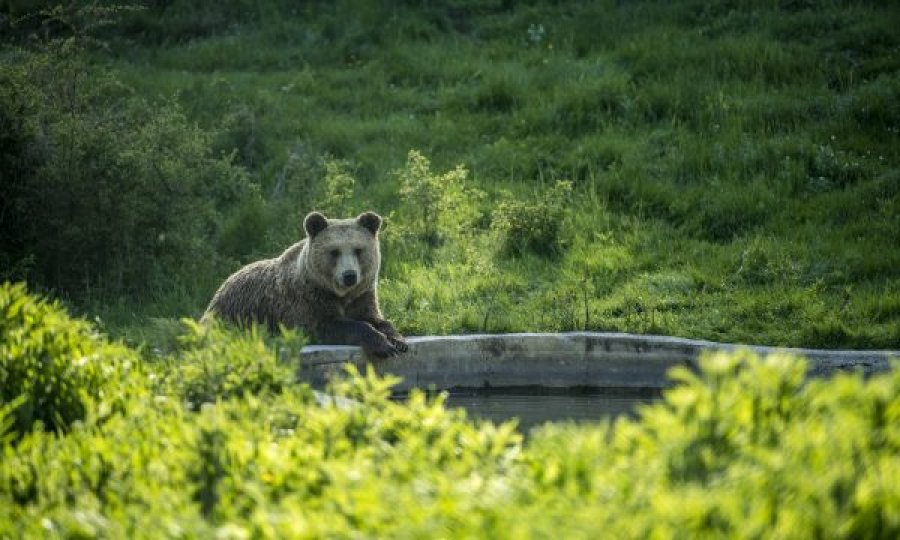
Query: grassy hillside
x=722 y=170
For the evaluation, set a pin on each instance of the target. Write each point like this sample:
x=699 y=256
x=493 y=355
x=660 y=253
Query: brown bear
x=326 y=284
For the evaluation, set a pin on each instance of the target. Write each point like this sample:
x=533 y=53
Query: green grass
x=734 y=165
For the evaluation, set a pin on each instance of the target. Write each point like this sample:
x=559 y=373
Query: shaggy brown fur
x=326 y=284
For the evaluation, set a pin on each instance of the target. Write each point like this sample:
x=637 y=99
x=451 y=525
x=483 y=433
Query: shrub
x=108 y=193
x=220 y=363
x=747 y=446
x=338 y=186
x=537 y=227
x=54 y=369
x=438 y=206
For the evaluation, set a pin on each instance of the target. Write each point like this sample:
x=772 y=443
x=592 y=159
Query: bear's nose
x=349 y=278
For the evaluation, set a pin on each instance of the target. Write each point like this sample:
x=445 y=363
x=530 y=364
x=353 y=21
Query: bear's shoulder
x=290 y=255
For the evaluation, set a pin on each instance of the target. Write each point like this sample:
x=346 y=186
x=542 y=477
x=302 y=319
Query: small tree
x=338 y=188
x=438 y=205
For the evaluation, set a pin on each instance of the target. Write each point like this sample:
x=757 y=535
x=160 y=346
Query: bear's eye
x=335 y=253
x=358 y=251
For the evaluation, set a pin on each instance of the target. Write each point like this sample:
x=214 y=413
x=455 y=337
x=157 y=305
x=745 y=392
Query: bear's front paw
x=399 y=343
x=382 y=348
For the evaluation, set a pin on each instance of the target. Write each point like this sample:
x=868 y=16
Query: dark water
x=534 y=408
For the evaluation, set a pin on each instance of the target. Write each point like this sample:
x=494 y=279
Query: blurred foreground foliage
x=744 y=448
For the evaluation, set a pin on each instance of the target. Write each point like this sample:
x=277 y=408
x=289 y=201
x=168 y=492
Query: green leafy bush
x=533 y=226
x=217 y=362
x=747 y=447
x=53 y=369
x=437 y=206
x=338 y=185
x=108 y=194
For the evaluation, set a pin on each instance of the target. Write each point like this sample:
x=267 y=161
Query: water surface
x=536 y=407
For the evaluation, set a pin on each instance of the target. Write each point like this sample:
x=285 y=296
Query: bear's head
x=342 y=254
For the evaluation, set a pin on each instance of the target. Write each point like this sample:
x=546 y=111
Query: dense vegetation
x=215 y=440
x=724 y=170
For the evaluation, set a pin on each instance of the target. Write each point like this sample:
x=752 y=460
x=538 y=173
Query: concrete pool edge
x=557 y=360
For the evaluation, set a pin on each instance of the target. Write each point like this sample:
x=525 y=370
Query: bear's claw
x=394 y=347
x=383 y=349
x=399 y=344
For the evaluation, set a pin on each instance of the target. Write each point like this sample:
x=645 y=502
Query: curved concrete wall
x=586 y=359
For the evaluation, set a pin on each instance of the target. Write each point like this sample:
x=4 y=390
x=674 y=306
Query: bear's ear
x=371 y=221
x=314 y=223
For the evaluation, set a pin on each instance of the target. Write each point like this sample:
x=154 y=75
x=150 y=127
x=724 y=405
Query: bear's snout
x=349 y=278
